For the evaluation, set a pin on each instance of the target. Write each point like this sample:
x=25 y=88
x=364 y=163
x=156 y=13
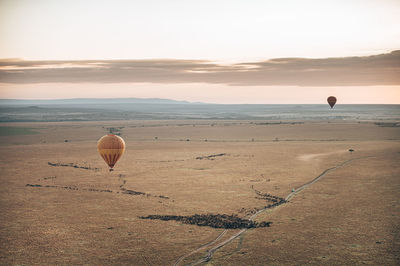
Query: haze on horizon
x=209 y=51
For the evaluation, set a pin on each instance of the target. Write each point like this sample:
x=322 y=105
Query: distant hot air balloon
x=332 y=101
x=111 y=148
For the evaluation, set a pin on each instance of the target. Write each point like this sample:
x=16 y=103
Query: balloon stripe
x=113 y=158
x=117 y=157
x=110 y=161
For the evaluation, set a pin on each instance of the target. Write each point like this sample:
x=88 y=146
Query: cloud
x=382 y=69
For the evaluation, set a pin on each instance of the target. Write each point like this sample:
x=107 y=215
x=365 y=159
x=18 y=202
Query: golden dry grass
x=351 y=216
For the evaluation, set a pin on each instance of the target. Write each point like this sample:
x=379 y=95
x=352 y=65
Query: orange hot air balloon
x=111 y=148
x=332 y=101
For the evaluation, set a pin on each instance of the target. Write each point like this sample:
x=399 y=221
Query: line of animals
x=73 y=165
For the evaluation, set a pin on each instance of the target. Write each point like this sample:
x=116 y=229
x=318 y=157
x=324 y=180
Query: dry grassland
x=73 y=215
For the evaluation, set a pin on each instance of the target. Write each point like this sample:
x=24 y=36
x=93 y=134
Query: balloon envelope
x=111 y=148
x=331 y=101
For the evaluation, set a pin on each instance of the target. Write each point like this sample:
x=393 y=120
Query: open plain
x=60 y=204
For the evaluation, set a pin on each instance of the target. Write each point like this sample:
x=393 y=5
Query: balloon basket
x=111 y=170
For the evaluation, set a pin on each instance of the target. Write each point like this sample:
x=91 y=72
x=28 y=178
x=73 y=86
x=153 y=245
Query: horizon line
x=174 y=101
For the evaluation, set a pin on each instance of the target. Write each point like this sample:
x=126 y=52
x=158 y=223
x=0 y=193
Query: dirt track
x=211 y=251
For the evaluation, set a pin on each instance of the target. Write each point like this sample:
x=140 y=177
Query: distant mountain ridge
x=94 y=101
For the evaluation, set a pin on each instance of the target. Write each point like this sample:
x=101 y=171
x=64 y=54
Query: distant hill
x=93 y=101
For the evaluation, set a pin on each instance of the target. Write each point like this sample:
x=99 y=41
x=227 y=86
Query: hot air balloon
x=111 y=148
x=332 y=101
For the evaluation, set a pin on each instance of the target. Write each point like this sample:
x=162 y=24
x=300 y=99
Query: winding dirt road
x=211 y=251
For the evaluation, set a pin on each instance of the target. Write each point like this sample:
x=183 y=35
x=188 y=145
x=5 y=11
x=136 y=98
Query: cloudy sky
x=218 y=51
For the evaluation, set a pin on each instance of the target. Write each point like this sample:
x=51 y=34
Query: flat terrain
x=60 y=205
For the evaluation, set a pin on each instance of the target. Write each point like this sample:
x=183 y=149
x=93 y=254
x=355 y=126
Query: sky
x=217 y=51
